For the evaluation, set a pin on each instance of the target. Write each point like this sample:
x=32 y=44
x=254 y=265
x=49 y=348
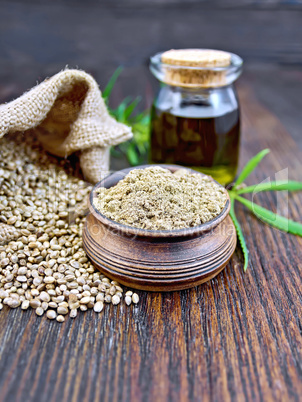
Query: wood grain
x=39 y=38
x=237 y=337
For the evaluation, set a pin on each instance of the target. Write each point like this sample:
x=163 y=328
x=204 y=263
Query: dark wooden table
x=237 y=337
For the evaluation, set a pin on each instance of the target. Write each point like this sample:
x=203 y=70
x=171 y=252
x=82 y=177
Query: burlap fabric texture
x=68 y=114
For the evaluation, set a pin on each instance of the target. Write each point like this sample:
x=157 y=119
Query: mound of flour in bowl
x=156 y=199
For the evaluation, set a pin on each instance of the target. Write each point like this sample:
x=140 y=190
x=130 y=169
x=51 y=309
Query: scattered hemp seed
x=62 y=310
x=108 y=299
x=156 y=199
x=98 y=307
x=115 y=300
x=135 y=298
x=39 y=311
x=43 y=265
x=73 y=313
x=60 y=318
x=51 y=314
x=25 y=305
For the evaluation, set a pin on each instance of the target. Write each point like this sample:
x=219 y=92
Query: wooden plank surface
x=237 y=337
x=39 y=38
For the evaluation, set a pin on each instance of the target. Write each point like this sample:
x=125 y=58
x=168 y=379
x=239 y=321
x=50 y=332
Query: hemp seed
x=98 y=307
x=42 y=261
x=39 y=311
x=25 y=305
x=135 y=298
x=115 y=299
x=51 y=314
x=60 y=318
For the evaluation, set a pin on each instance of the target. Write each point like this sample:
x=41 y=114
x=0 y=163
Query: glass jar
x=195 y=119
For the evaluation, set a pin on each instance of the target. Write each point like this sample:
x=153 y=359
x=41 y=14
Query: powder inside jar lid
x=156 y=199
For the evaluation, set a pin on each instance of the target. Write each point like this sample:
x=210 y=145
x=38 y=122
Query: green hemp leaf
x=261 y=213
x=137 y=148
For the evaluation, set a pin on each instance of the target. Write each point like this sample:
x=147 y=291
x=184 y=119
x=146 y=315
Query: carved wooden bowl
x=157 y=260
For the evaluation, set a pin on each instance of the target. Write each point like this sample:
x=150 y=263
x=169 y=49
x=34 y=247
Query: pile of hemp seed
x=42 y=211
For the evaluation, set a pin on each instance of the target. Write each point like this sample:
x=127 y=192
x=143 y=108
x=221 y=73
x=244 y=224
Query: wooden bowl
x=157 y=260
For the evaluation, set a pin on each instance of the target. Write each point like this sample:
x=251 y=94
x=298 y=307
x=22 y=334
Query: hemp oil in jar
x=195 y=119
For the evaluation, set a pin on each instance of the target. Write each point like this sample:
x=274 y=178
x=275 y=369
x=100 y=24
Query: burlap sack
x=68 y=114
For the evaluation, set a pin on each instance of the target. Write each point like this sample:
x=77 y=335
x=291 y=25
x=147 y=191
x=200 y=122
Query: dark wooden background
x=39 y=38
x=237 y=337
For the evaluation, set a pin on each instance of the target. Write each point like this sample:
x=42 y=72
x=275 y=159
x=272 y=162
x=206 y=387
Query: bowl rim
x=130 y=230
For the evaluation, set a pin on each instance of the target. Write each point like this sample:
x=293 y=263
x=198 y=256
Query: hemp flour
x=156 y=199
